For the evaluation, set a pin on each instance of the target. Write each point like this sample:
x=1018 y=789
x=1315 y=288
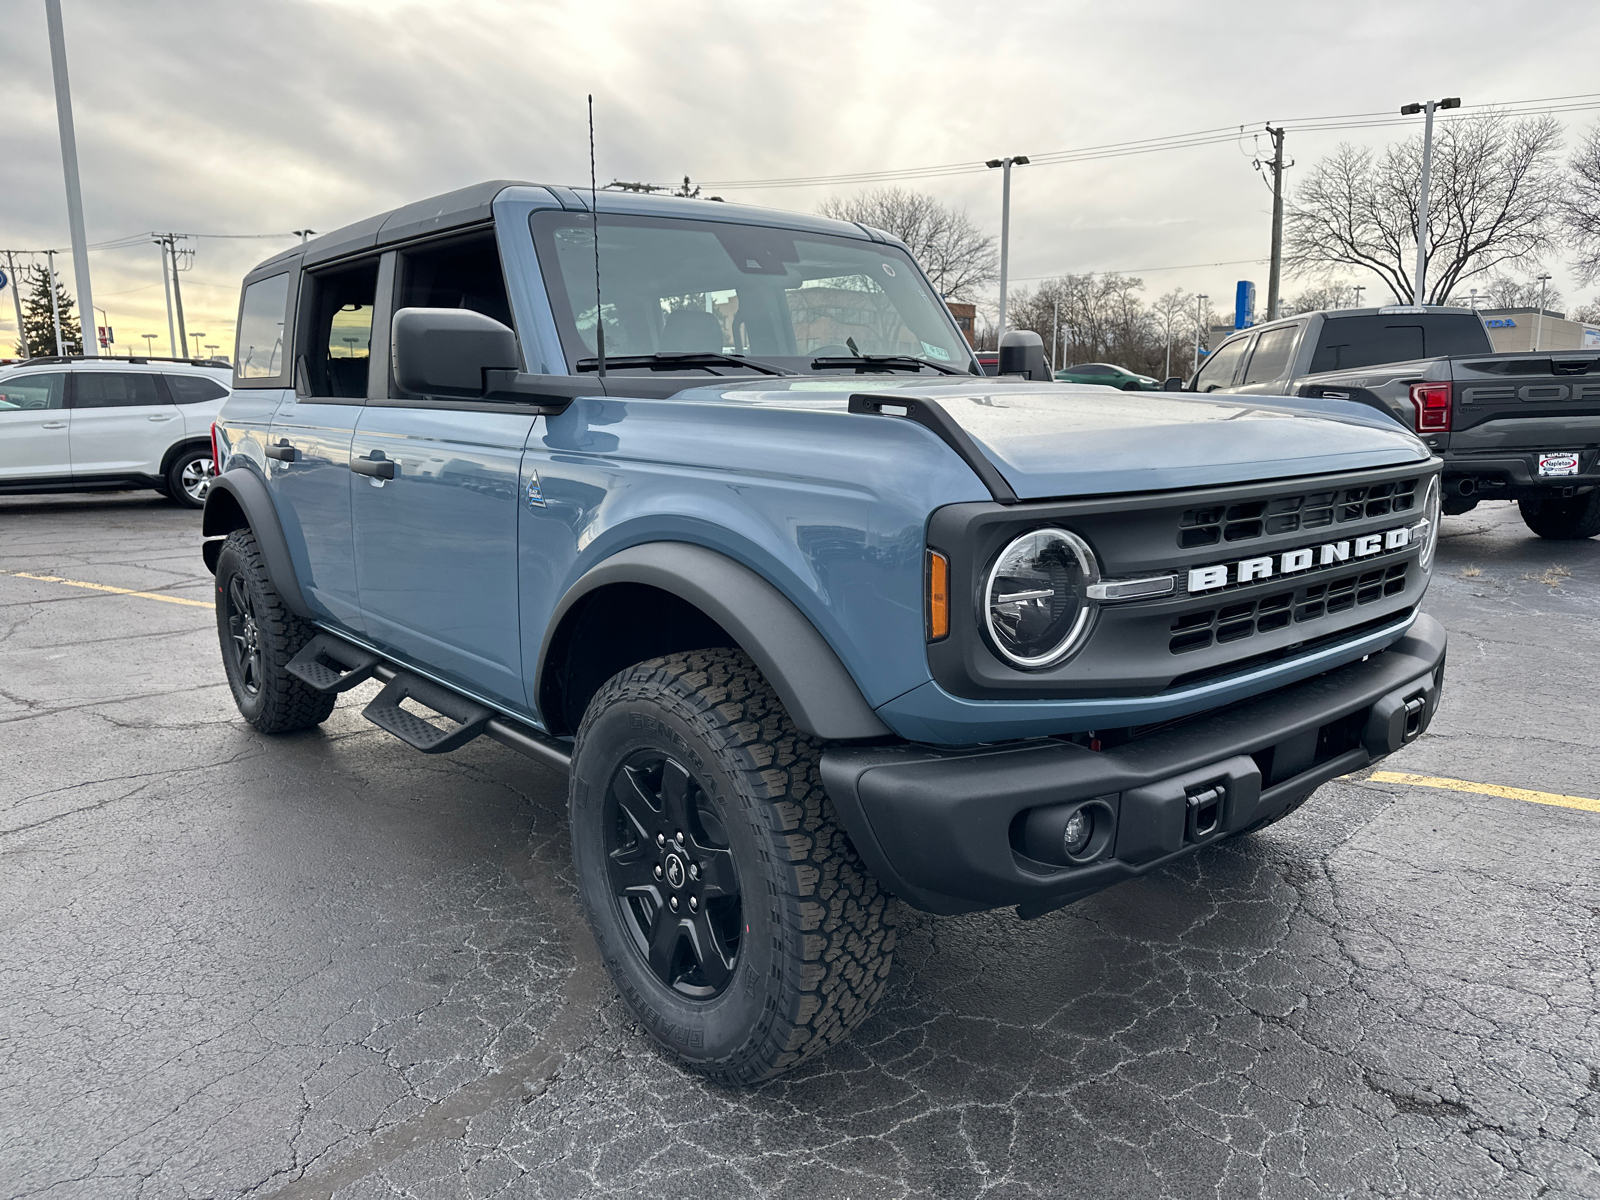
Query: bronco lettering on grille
x=1290 y=562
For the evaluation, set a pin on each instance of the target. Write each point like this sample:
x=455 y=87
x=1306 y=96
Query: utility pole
x=69 y=167
x=1419 y=292
x=1274 y=275
x=55 y=308
x=1538 y=329
x=1358 y=289
x=1055 y=341
x=1199 y=306
x=166 y=286
x=16 y=299
x=1019 y=160
x=177 y=293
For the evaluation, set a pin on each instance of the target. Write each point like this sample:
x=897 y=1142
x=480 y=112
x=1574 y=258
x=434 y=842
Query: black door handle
x=374 y=466
x=284 y=452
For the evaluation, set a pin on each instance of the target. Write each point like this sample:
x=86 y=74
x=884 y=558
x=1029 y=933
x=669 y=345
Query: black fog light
x=1070 y=834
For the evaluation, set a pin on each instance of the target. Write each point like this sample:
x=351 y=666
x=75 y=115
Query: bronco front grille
x=1218 y=523
x=1234 y=622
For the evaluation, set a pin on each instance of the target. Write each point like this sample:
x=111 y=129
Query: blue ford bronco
x=712 y=509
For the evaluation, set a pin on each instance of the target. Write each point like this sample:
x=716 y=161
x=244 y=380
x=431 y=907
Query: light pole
x=1199 y=304
x=304 y=234
x=16 y=300
x=197 y=337
x=1410 y=110
x=1538 y=328
x=1055 y=341
x=149 y=343
x=1472 y=299
x=55 y=307
x=69 y=168
x=1019 y=160
x=1358 y=289
x=213 y=347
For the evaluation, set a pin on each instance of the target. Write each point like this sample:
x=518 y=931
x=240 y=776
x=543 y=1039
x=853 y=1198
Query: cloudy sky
x=262 y=117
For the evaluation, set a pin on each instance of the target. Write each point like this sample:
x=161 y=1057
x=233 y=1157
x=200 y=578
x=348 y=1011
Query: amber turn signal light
x=938 y=596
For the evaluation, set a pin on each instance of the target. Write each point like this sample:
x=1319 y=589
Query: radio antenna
x=594 y=213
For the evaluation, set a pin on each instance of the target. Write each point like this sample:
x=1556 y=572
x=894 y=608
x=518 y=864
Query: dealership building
x=1512 y=330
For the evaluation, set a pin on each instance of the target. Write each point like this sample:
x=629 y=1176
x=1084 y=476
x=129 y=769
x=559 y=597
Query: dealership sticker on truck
x=1559 y=462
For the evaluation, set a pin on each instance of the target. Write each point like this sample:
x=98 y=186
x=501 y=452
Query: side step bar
x=328 y=663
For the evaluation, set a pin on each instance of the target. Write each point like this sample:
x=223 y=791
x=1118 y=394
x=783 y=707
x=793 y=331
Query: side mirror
x=1022 y=353
x=445 y=351
x=1174 y=383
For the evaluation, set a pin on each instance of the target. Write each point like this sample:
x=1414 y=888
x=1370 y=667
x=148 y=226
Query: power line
x=1580 y=102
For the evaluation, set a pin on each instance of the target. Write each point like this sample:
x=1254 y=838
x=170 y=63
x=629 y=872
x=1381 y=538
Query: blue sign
x=3 y=281
x=1244 y=305
x=1501 y=323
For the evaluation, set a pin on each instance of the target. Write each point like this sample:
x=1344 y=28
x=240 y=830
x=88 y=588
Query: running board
x=331 y=664
x=417 y=732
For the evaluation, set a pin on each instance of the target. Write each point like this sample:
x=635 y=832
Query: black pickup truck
x=1523 y=427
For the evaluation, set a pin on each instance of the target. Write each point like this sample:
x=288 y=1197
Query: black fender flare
x=238 y=499
x=814 y=686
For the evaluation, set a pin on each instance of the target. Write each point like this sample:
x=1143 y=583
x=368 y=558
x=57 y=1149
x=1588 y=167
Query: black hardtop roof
x=1388 y=310
x=474 y=205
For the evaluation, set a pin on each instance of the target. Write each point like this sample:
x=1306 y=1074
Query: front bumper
x=937 y=826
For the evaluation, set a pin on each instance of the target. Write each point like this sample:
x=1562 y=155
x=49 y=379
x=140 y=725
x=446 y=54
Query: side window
x=338 y=346
x=1220 y=367
x=115 y=389
x=193 y=389
x=33 y=391
x=259 y=346
x=1271 y=360
x=461 y=273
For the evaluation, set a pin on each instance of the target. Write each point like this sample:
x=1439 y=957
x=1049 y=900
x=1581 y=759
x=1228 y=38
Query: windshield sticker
x=888 y=269
x=938 y=352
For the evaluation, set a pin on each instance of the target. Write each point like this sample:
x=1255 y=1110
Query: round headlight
x=1034 y=605
x=1430 y=521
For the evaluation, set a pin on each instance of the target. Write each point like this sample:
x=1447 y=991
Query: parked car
x=811 y=613
x=70 y=424
x=1107 y=375
x=1523 y=427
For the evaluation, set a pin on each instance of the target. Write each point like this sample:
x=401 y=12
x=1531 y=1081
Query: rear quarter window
x=1349 y=342
x=194 y=389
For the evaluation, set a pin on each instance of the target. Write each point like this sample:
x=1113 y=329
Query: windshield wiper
x=666 y=360
x=864 y=363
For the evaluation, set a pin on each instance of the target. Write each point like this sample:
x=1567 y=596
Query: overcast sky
x=262 y=117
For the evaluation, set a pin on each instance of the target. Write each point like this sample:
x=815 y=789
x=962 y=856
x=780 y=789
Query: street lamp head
x=995 y=162
x=1410 y=110
x=1452 y=102
x=1020 y=160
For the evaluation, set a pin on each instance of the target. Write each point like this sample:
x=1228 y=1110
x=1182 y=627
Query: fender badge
x=535 y=492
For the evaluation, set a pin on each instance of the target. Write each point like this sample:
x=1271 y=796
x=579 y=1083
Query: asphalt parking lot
x=325 y=965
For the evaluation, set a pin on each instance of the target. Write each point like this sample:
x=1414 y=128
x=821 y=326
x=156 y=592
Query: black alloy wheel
x=672 y=875
x=244 y=635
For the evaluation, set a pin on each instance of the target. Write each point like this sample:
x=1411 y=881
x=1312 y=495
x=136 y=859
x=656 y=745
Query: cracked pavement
x=326 y=966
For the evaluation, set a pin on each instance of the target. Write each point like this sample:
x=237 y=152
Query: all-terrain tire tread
x=288 y=704
x=1563 y=520
x=839 y=925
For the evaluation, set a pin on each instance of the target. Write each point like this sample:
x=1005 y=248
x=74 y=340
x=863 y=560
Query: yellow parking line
x=101 y=587
x=1488 y=789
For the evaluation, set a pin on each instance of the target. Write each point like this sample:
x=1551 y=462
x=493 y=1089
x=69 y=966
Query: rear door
x=33 y=427
x=121 y=422
x=434 y=496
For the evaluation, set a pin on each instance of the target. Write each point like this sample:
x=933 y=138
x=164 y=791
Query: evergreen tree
x=38 y=323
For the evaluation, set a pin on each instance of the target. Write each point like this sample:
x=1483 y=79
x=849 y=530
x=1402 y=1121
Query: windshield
x=783 y=297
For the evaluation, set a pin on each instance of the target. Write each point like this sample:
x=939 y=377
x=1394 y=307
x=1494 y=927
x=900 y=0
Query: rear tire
x=1563 y=519
x=757 y=939
x=259 y=635
x=189 y=477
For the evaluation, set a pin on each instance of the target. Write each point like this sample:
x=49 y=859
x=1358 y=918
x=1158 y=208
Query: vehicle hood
x=1060 y=439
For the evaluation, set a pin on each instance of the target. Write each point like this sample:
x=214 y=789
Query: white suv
x=82 y=424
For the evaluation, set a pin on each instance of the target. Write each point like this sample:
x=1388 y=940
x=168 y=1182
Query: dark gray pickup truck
x=1523 y=427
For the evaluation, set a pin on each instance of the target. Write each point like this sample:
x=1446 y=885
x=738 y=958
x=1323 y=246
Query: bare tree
x=1494 y=187
x=1102 y=318
x=1589 y=313
x=1320 y=297
x=1174 y=313
x=1506 y=291
x=958 y=256
x=1580 y=207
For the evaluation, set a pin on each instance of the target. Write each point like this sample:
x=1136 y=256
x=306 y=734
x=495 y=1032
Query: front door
x=122 y=423
x=434 y=500
x=33 y=427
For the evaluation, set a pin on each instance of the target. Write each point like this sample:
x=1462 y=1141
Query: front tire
x=189 y=477
x=259 y=636
x=730 y=908
x=1563 y=519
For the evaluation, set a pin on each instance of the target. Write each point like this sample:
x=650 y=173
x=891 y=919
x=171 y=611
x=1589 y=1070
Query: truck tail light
x=938 y=596
x=1432 y=402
